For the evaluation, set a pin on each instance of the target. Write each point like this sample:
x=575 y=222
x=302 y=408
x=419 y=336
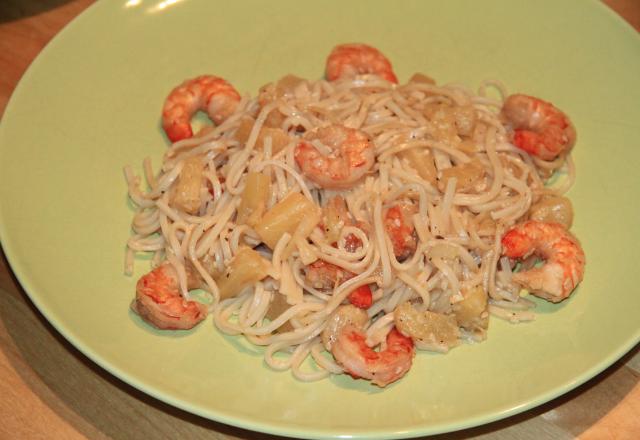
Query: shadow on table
x=107 y=406
x=16 y=9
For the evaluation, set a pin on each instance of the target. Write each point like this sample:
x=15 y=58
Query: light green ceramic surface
x=91 y=103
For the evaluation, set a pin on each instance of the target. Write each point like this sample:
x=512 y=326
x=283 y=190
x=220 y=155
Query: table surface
x=48 y=389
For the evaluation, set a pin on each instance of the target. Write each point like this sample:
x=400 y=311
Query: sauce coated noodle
x=355 y=217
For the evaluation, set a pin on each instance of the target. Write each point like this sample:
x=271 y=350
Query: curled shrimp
x=159 y=302
x=539 y=128
x=349 y=60
x=323 y=275
x=400 y=230
x=351 y=156
x=361 y=361
x=206 y=93
x=564 y=258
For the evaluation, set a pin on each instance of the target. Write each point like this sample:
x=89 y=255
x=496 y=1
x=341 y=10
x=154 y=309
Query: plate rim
x=244 y=422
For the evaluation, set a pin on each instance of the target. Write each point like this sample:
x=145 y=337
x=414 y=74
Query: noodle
x=457 y=222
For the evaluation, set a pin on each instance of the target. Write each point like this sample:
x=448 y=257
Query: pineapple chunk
x=246 y=268
x=186 y=193
x=422 y=161
x=283 y=217
x=433 y=331
x=471 y=311
x=254 y=199
x=279 y=137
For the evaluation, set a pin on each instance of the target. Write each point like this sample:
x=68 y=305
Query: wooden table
x=49 y=390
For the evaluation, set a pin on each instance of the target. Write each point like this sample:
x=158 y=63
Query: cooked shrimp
x=326 y=276
x=349 y=60
x=205 y=93
x=351 y=157
x=539 y=128
x=401 y=231
x=361 y=361
x=159 y=302
x=563 y=255
x=323 y=275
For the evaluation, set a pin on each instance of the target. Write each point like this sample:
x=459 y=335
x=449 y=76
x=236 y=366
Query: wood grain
x=49 y=390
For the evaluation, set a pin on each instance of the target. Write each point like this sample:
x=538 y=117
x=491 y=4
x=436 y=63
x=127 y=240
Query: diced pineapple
x=303 y=230
x=246 y=268
x=467 y=176
x=470 y=312
x=553 y=209
x=433 y=331
x=284 y=217
x=335 y=216
x=422 y=161
x=279 y=137
x=254 y=199
x=186 y=193
x=278 y=306
x=244 y=130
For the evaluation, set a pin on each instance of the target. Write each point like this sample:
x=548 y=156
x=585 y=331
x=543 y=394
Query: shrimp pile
x=347 y=223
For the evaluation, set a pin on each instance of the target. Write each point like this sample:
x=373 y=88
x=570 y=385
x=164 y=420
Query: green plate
x=91 y=103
